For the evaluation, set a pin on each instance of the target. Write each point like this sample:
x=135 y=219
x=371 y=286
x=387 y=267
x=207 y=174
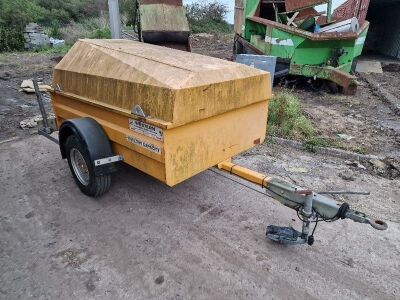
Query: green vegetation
x=208 y=17
x=359 y=150
x=56 y=50
x=10 y=39
x=285 y=118
x=67 y=20
x=74 y=19
x=314 y=142
x=102 y=33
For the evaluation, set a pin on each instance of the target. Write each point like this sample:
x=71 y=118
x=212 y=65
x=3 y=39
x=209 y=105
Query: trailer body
x=168 y=113
x=171 y=114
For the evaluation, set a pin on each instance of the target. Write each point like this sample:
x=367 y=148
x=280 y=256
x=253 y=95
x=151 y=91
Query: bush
x=213 y=11
x=71 y=10
x=54 y=50
x=18 y=13
x=74 y=31
x=90 y=28
x=14 y=15
x=128 y=10
x=210 y=27
x=53 y=14
x=11 y=39
x=102 y=33
x=207 y=17
x=285 y=118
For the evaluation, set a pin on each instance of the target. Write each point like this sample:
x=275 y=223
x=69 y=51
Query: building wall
x=384 y=33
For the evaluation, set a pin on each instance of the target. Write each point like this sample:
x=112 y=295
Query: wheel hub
x=80 y=167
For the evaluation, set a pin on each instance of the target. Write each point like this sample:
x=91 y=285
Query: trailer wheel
x=82 y=169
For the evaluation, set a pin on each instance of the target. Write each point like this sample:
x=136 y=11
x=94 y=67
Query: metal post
x=41 y=105
x=329 y=12
x=115 y=20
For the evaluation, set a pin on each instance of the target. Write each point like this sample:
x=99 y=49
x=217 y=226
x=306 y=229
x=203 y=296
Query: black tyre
x=82 y=169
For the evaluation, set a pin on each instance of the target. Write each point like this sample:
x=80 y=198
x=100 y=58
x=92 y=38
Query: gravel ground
x=203 y=239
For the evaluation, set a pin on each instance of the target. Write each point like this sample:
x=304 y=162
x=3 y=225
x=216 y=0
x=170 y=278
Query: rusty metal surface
x=183 y=47
x=345 y=80
x=324 y=36
x=352 y=8
x=248 y=45
x=168 y=2
x=308 y=12
x=163 y=17
x=292 y=5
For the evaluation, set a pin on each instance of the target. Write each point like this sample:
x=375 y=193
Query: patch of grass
x=101 y=33
x=312 y=143
x=54 y=50
x=90 y=28
x=210 y=26
x=285 y=118
x=4 y=57
x=360 y=150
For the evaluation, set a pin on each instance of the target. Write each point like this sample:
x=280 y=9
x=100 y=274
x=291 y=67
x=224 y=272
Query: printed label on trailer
x=146 y=129
x=144 y=144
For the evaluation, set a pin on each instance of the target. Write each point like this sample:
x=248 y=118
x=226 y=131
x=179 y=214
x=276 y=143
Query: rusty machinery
x=163 y=22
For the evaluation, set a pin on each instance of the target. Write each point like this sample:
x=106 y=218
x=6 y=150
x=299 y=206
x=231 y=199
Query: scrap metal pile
x=306 y=40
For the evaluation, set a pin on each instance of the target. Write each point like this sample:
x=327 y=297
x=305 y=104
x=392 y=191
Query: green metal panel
x=250 y=7
x=329 y=59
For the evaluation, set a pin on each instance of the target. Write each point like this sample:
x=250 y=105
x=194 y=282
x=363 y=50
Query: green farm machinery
x=307 y=42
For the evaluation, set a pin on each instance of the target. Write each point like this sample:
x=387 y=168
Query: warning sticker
x=144 y=144
x=146 y=129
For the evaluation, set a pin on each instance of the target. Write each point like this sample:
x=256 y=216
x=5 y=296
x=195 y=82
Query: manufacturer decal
x=146 y=129
x=279 y=42
x=144 y=144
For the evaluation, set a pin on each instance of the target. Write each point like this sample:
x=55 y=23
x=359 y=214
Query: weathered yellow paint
x=209 y=109
x=164 y=82
x=190 y=147
x=249 y=175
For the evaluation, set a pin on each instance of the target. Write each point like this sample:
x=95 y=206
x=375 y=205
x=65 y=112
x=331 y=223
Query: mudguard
x=92 y=137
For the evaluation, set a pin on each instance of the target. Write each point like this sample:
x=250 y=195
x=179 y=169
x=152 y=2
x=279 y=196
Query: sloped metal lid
x=168 y=84
x=150 y=64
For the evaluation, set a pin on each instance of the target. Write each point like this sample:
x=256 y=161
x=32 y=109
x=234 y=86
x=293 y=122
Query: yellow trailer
x=193 y=111
x=171 y=114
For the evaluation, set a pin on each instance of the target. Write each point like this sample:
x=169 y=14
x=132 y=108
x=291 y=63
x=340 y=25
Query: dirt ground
x=390 y=79
x=373 y=126
x=205 y=238
x=16 y=106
